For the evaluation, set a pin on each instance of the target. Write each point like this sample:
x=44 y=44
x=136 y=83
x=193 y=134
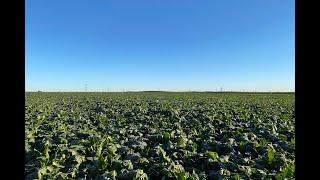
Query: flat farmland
x=159 y=135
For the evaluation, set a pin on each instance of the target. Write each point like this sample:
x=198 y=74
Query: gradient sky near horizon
x=120 y=45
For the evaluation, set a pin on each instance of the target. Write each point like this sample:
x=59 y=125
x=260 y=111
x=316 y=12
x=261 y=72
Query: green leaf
x=112 y=148
x=224 y=159
x=212 y=155
x=181 y=142
x=140 y=175
x=127 y=164
x=270 y=155
x=166 y=136
x=235 y=176
x=287 y=172
x=293 y=141
x=194 y=146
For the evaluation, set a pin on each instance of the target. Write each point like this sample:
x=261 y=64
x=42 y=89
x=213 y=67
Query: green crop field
x=154 y=135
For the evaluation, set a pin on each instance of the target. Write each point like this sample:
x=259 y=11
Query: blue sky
x=160 y=45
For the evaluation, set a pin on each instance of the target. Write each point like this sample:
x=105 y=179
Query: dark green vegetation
x=154 y=135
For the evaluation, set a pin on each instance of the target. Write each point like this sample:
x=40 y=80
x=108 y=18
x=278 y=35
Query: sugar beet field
x=157 y=135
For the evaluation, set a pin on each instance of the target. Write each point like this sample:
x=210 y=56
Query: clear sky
x=160 y=45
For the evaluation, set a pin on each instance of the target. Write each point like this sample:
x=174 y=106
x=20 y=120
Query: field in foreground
x=159 y=135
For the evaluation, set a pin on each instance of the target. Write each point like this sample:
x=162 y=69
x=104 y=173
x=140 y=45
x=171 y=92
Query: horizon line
x=164 y=91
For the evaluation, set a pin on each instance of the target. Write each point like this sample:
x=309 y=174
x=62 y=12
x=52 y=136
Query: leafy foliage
x=159 y=136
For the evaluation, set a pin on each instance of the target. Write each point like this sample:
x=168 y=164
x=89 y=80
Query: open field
x=156 y=134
